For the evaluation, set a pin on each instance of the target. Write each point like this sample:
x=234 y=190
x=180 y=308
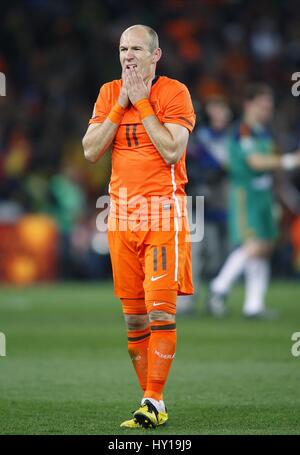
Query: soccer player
x=145 y=120
x=252 y=225
x=207 y=160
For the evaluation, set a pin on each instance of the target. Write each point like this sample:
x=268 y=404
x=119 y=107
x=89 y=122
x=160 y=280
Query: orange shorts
x=148 y=262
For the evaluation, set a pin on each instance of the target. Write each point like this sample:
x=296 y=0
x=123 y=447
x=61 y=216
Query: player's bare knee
x=157 y=315
x=256 y=248
x=136 y=321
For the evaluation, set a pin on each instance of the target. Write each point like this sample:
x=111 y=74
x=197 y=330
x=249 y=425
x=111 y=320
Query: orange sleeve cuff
x=144 y=107
x=116 y=113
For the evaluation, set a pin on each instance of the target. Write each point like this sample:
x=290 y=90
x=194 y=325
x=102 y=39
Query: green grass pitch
x=67 y=370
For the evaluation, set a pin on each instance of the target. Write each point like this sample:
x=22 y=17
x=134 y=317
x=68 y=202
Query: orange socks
x=138 y=341
x=152 y=356
x=161 y=353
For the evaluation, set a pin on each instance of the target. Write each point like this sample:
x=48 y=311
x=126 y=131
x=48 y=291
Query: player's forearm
x=262 y=163
x=162 y=139
x=97 y=140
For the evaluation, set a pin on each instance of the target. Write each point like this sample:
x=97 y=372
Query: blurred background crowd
x=56 y=55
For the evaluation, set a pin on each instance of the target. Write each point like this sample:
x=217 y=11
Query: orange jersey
x=138 y=169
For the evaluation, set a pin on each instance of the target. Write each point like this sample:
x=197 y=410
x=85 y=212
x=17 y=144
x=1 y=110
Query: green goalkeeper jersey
x=244 y=142
x=251 y=205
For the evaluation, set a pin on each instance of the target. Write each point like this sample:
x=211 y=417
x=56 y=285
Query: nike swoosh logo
x=155 y=278
x=157 y=304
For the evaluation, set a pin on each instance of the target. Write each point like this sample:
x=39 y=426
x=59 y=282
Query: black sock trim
x=163 y=327
x=138 y=338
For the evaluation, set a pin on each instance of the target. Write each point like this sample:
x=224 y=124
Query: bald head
x=147 y=31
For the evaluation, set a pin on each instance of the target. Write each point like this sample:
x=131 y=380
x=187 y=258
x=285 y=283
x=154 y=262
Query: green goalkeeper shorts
x=251 y=215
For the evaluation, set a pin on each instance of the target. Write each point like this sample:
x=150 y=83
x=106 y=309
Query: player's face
x=219 y=114
x=264 y=108
x=135 y=52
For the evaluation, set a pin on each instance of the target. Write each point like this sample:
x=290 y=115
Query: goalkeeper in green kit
x=252 y=224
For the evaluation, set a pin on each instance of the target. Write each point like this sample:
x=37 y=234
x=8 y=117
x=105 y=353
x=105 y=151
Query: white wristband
x=289 y=161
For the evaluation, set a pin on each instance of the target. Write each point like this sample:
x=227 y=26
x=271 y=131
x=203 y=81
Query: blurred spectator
x=207 y=173
x=67 y=206
x=207 y=170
